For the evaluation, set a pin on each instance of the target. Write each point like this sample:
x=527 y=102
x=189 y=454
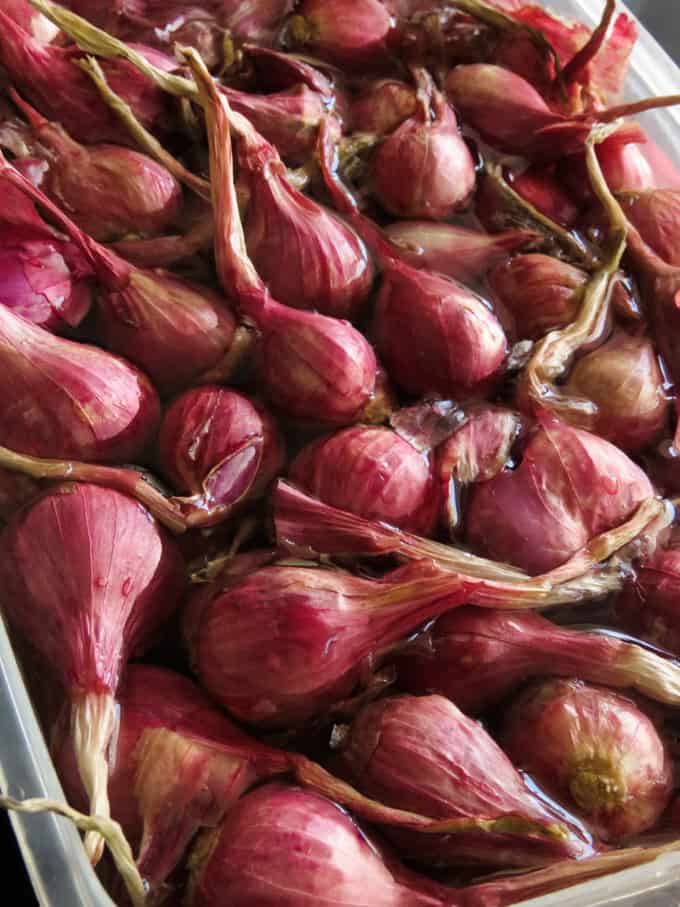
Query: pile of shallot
x=339 y=439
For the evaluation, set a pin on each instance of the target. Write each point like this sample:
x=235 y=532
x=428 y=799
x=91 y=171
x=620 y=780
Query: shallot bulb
x=71 y=400
x=476 y=657
x=648 y=605
x=570 y=486
x=108 y=191
x=43 y=280
x=306 y=255
x=15 y=491
x=372 y=472
x=89 y=580
x=283 y=846
x=286 y=643
x=540 y=292
x=179 y=766
x=624 y=380
x=311 y=366
x=382 y=107
x=288 y=119
x=215 y=445
x=655 y=214
x=350 y=33
x=424 y=169
x=46 y=74
x=180 y=333
x=424 y=755
x=457 y=252
x=596 y=751
x=434 y=334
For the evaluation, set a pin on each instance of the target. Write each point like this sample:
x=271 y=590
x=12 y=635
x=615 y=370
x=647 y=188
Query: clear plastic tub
x=54 y=855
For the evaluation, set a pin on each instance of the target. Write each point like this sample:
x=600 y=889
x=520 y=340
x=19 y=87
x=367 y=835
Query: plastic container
x=55 y=858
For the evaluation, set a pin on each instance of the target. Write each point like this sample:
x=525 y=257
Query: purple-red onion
x=624 y=381
x=89 y=579
x=180 y=333
x=596 y=751
x=311 y=366
x=424 y=755
x=108 y=191
x=352 y=33
x=570 y=486
x=424 y=169
x=285 y=644
x=542 y=189
x=458 y=252
x=71 y=400
x=477 y=656
x=15 y=491
x=45 y=281
x=655 y=214
x=216 y=446
x=372 y=472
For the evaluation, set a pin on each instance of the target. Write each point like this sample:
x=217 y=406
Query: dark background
x=659 y=17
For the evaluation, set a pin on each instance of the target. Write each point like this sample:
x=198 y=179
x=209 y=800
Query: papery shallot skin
x=542 y=188
x=624 y=380
x=540 y=292
x=372 y=472
x=434 y=334
x=44 y=281
x=71 y=400
x=649 y=605
x=90 y=578
x=214 y=441
x=285 y=643
x=283 y=846
x=424 y=755
x=570 y=486
x=350 y=33
x=596 y=751
x=109 y=191
x=424 y=169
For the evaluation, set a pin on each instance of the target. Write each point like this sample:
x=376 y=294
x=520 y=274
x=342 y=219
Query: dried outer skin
x=382 y=106
x=424 y=755
x=372 y=472
x=434 y=334
x=349 y=33
x=570 y=486
x=655 y=214
x=70 y=400
x=596 y=751
x=90 y=579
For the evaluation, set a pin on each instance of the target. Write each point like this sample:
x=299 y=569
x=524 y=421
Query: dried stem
x=93 y=719
x=592 y=47
x=107 y=828
x=142 y=136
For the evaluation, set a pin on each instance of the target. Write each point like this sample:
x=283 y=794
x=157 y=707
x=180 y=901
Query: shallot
x=595 y=750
